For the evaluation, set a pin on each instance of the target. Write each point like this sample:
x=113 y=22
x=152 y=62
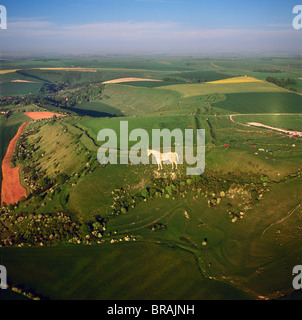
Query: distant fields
x=189 y=90
x=149 y=84
x=103 y=69
x=8 y=71
x=203 y=75
x=236 y=80
x=256 y=96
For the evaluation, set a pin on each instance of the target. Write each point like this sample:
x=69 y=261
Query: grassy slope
x=247 y=254
x=122 y=271
x=17 y=89
x=90 y=194
x=137 y=101
x=235 y=252
x=228 y=254
x=262 y=102
x=95 y=109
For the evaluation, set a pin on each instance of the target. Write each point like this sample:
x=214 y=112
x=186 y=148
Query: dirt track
x=291 y=132
x=11 y=189
x=256 y=124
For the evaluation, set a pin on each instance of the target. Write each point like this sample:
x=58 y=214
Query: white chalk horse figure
x=172 y=157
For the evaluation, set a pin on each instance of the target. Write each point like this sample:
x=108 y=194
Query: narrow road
x=256 y=124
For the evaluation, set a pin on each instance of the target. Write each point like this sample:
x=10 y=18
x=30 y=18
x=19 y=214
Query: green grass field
x=95 y=109
x=287 y=122
x=247 y=254
x=274 y=102
x=138 y=101
x=203 y=75
x=120 y=271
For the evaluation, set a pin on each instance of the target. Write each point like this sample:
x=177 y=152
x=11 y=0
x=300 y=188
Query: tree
x=53 y=119
x=145 y=193
x=85 y=230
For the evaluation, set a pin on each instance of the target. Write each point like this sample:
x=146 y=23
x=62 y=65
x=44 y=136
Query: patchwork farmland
x=232 y=232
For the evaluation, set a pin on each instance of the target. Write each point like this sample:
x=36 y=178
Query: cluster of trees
x=37 y=229
x=207 y=185
x=68 y=99
x=171 y=79
x=158 y=227
x=54 y=87
x=94 y=230
x=47 y=229
x=268 y=70
x=181 y=80
x=284 y=83
x=59 y=95
x=14 y=101
x=6 y=113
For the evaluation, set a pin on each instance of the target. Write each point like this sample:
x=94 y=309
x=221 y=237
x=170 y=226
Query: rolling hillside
x=141 y=233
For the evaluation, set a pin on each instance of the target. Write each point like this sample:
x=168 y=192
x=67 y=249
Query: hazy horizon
x=149 y=27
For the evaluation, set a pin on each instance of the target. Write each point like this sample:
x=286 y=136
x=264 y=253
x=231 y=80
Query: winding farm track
x=281 y=220
x=11 y=189
x=215 y=65
x=256 y=124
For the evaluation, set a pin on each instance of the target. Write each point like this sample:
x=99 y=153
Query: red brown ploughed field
x=42 y=115
x=11 y=189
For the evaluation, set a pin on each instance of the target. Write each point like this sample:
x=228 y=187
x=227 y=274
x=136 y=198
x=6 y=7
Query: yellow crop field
x=8 y=71
x=236 y=80
x=121 y=80
x=197 y=89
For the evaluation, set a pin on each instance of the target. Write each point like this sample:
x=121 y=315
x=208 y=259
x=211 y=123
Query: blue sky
x=155 y=26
